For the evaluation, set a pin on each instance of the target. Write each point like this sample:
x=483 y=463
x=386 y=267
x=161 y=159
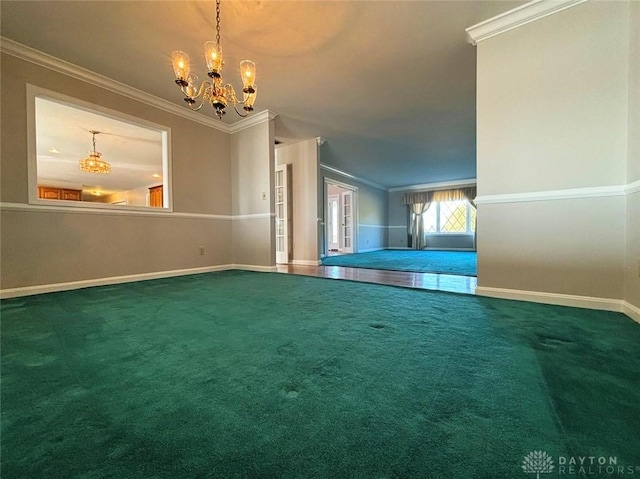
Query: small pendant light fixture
x=93 y=163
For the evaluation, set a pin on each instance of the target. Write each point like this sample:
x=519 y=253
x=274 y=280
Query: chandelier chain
x=218 y=24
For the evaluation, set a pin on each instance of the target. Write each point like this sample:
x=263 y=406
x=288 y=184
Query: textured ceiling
x=389 y=84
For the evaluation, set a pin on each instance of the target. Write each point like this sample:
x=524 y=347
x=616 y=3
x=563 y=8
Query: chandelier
x=217 y=93
x=93 y=163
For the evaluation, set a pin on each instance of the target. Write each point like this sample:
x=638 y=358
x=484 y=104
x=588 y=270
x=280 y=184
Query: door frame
x=331 y=198
x=285 y=168
x=355 y=213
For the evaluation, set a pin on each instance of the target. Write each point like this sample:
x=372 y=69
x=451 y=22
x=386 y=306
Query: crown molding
x=50 y=62
x=353 y=177
x=517 y=17
x=253 y=120
x=436 y=186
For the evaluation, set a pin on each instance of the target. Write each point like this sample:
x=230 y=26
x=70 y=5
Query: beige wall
x=632 y=270
x=552 y=102
x=45 y=247
x=303 y=158
x=552 y=113
x=571 y=247
x=252 y=156
x=633 y=163
x=42 y=248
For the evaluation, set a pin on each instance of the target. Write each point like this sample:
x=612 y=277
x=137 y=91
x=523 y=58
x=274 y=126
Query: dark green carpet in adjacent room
x=263 y=375
x=461 y=263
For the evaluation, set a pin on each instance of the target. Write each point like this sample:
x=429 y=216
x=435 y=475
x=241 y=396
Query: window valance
x=457 y=194
x=419 y=197
x=468 y=193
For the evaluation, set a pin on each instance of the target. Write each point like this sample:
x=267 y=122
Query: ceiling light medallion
x=93 y=163
x=216 y=93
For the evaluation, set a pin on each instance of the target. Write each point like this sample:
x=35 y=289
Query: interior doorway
x=340 y=217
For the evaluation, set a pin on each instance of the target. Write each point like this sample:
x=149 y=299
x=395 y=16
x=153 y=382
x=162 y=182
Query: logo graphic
x=537 y=462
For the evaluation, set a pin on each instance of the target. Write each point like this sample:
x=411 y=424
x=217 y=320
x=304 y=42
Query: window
x=60 y=136
x=450 y=217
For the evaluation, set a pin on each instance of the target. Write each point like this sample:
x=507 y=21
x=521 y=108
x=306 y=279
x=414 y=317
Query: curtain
x=417 y=225
x=418 y=203
x=417 y=197
x=470 y=194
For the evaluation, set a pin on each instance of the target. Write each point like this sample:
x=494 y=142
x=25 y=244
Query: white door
x=333 y=223
x=282 y=214
x=347 y=221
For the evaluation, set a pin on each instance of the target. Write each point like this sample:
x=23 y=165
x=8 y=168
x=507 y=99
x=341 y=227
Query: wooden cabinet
x=51 y=193
x=155 y=196
x=47 y=193
x=72 y=195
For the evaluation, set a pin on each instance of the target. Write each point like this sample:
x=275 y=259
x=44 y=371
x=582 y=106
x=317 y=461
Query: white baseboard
x=253 y=267
x=67 y=286
x=589 y=302
x=306 y=262
x=448 y=249
x=632 y=311
x=369 y=250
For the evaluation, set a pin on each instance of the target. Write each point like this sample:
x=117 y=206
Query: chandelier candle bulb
x=248 y=71
x=181 y=66
x=213 y=57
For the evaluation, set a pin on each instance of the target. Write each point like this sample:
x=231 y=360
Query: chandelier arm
x=204 y=87
x=243 y=115
x=200 y=90
x=191 y=107
x=231 y=93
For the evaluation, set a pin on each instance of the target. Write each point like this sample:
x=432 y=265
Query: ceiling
x=389 y=84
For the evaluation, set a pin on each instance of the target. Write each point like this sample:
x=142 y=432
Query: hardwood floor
x=438 y=282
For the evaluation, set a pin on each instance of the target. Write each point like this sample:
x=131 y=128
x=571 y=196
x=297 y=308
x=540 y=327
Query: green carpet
x=461 y=263
x=264 y=375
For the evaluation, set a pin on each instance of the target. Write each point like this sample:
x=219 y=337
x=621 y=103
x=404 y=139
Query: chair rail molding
x=567 y=194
